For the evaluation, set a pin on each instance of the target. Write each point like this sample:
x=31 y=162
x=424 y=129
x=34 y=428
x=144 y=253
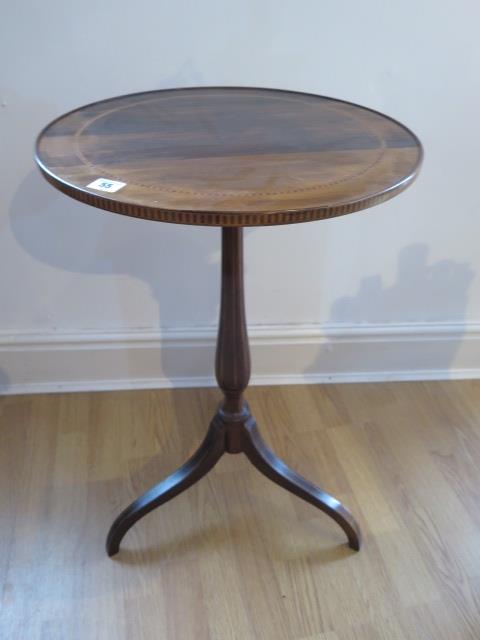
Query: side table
x=229 y=157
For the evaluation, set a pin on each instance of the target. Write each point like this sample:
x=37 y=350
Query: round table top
x=228 y=156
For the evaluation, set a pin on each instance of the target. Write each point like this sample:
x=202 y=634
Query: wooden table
x=229 y=157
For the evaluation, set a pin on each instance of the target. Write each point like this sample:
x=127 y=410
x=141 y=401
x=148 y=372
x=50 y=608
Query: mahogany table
x=229 y=157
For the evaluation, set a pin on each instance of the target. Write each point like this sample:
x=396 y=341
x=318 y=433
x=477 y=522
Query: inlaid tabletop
x=228 y=156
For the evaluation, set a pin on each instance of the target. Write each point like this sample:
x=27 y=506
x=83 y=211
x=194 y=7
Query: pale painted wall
x=71 y=271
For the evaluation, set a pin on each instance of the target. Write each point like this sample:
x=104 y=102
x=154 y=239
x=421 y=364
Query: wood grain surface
x=229 y=156
x=236 y=557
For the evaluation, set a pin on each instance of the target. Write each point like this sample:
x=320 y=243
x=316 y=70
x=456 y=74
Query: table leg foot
x=204 y=459
x=263 y=458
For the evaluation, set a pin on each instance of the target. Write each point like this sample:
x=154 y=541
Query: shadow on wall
x=177 y=262
x=421 y=290
x=4 y=381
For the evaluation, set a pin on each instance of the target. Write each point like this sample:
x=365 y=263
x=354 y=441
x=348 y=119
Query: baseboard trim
x=281 y=354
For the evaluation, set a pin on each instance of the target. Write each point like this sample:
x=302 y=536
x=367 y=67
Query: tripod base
x=233 y=428
x=232 y=433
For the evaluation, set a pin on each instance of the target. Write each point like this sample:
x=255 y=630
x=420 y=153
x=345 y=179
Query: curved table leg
x=204 y=459
x=263 y=458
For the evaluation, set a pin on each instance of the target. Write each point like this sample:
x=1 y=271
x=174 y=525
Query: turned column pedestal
x=233 y=428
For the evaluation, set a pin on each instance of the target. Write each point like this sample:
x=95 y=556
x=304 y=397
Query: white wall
x=72 y=275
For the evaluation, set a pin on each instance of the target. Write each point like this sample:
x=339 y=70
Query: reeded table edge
x=227 y=218
x=230 y=218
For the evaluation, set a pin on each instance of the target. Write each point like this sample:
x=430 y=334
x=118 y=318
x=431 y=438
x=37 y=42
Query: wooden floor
x=236 y=557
